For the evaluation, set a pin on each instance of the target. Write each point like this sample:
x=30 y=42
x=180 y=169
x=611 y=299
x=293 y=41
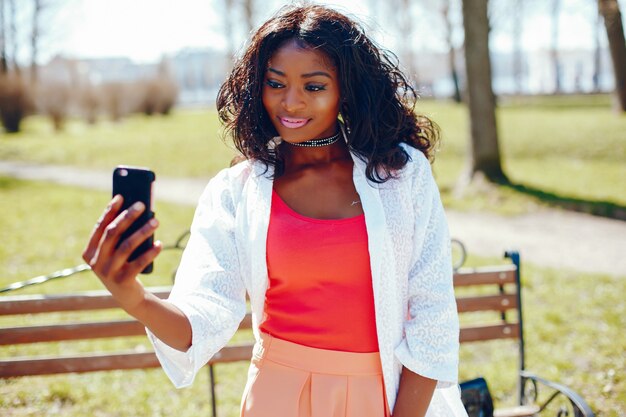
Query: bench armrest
x=577 y=405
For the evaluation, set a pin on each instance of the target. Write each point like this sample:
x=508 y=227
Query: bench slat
x=91 y=363
x=92 y=300
x=76 y=331
x=79 y=364
x=480 y=333
x=501 y=302
x=481 y=276
x=81 y=331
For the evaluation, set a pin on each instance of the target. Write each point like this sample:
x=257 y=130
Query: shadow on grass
x=596 y=208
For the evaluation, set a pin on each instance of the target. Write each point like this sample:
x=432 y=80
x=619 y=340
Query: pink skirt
x=290 y=380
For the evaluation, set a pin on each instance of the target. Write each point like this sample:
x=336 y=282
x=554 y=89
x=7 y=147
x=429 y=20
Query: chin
x=293 y=136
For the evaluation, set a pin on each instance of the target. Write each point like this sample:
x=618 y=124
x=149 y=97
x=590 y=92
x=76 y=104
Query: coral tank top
x=320 y=282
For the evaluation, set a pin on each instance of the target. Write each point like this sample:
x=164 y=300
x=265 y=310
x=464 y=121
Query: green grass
x=556 y=150
x=572 y=325
x=556 y=154
x=563 y=151
x=573 y=321
x=44 y=228
x=186 y=144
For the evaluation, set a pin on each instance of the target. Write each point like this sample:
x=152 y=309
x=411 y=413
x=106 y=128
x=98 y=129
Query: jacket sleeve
x=430 y=345
x=208 y=287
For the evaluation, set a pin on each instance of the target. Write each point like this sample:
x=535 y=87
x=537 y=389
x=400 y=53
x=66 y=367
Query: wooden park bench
x=504 y=302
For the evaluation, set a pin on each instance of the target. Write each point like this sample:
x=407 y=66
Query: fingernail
x=138 y=206
x=154 y=222
x=113 y=201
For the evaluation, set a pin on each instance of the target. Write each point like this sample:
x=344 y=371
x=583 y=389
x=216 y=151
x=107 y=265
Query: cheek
x=329 y=104
x=267 y=101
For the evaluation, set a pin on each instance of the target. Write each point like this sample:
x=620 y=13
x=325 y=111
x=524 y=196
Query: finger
x=135 y=267
x=113 y=231
x=128 y=246
x=107 y=216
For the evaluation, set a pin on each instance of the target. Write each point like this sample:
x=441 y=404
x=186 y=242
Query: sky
x=145 y=30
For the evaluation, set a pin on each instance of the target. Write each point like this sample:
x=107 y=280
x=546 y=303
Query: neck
x=300 y=157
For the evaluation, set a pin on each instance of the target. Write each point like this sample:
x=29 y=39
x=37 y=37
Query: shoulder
x=238 y=175
x=228 y=184
x=418 y=166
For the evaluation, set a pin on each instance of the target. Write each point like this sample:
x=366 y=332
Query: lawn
x=556 y=151
x=574 y=337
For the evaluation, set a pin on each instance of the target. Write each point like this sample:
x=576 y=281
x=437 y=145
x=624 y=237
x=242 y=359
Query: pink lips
x=292 y=123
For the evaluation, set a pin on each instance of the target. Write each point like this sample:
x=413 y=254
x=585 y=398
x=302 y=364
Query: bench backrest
x=506 y=297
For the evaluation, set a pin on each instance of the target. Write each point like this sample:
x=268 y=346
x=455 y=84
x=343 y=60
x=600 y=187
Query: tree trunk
x=248 y=11
x=484 y=155
x=34 y=41
x=597 y=48
x=518 y=71
x=4 y=68
x=406 y=33
x=609 y=9
x=14 y=42
x=445 y=11
x=554 y=53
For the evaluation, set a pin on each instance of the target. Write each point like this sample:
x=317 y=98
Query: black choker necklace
x=315 y=143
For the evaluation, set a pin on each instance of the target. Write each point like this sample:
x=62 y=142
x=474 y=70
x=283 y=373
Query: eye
x=315 y=87
x=274 y=84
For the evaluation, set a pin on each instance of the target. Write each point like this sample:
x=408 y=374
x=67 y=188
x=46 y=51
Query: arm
x=207 y=302
x=414 y=395
x=429 y=348
x=119 y=276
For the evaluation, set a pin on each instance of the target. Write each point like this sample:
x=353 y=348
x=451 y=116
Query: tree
x=554 y=50
x=597 y=48
x=13 y=28
x=229 y=28
x=406 y=21
x=238 y=22
x=518 y=30
x=4 y=67
x=484 y=155
x=34 y=39
x=609 y=9
x=445 y=12
x=400 y=18
x=249 y=15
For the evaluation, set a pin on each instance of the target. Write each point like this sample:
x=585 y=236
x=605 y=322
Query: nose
x=293 y=100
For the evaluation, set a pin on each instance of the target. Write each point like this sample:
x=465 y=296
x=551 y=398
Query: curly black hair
x=377 y=104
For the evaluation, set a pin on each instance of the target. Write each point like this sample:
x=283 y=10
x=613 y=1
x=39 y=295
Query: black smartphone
x=135 y=184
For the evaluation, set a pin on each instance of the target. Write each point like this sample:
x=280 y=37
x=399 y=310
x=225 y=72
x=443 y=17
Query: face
x=301 y=93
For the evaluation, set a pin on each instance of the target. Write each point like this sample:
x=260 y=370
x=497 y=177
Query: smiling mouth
x=292 y=123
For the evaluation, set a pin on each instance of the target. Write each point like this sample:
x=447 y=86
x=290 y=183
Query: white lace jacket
x=408 y=239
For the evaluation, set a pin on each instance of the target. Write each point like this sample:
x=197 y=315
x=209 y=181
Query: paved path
x=559 y=239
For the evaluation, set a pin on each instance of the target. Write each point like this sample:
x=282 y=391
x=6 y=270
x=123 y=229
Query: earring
x=274 y=142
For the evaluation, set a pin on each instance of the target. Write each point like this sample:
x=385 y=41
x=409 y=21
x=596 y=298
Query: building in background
x=200 y=72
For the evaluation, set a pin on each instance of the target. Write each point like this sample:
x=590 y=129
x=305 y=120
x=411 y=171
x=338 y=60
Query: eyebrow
x=307 y=75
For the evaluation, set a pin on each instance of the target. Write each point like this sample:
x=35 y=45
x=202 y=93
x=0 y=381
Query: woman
x=333 y=226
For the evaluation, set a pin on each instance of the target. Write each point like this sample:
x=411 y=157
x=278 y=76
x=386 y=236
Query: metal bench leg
x=212 y=387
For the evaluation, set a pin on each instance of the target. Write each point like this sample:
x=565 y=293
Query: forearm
x=165 y=321
x=414 y=395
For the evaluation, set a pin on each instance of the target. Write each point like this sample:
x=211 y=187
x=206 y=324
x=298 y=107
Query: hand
x=111 y=264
